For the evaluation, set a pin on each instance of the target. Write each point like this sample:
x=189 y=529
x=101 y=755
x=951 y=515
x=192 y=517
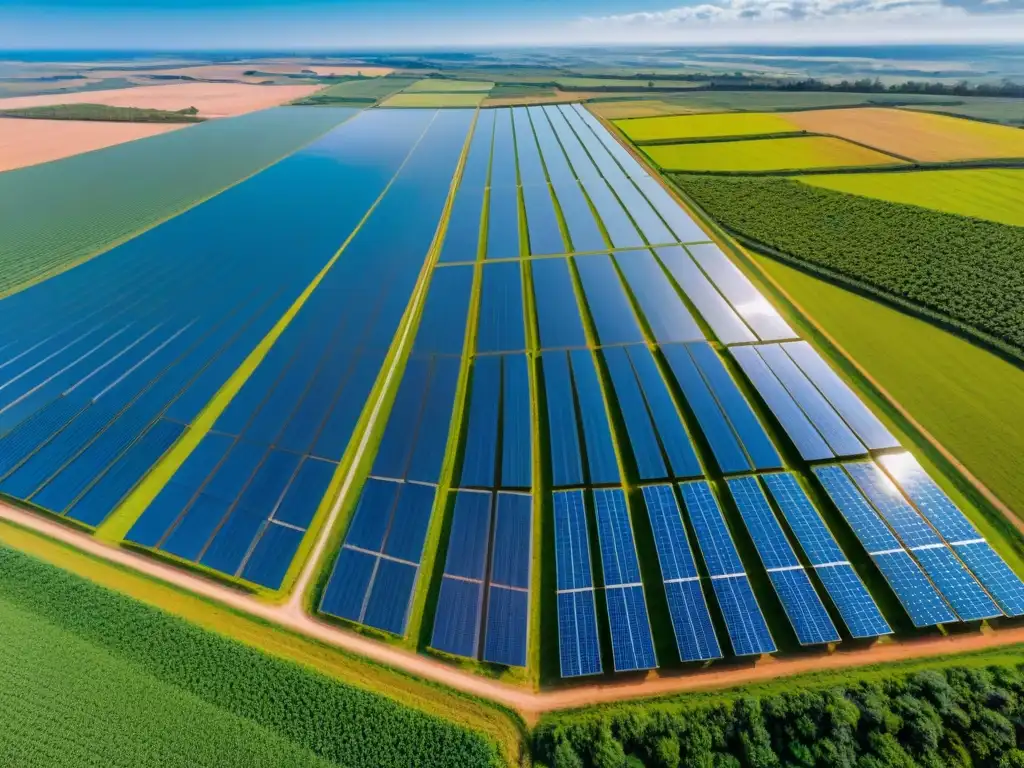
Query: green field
x=753 y=155
x=965 y=396
x=48 y=222
x=993 y=194
x=147 y=688
x=704 y=126
x=434 y=100
x=443 y=85
x=104 y=113
x=1009 y=111
x=366 y=89
x=639 y=84
x=965 y=270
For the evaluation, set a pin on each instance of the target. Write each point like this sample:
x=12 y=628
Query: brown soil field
x=917 y=135
x=30 y=142
x=211 y=99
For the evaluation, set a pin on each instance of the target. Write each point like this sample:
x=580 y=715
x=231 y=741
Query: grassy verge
x=277 y=643
x=105 y=113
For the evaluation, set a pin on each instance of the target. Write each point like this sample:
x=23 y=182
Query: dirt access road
x=529 y=703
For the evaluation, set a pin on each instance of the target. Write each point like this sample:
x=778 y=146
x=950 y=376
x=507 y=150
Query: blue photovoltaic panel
x=855 y=604
x=956 y=584
x=579 y=650
x=741 y=416
x=411 y=519
x=768 y=536
x=507 y=625
x=922 y=603
x=346 y=591
x=273 y=553
x=748 y=632
x=620 y=228
x=554 y=159
x=667 y=316
x=909 y=526
x=373 y=514
x=463 y=233
x=545 y=237
x=597 y=435
x=513 y=541
x=873 y=534
x=572 y=547
x=470 y=531
x=615 y=532
x=643 y=440
x=480 y=458
x=992 y=571
x=815 y=538
x=516 y=452
x=501 y=327
x=761 y=316
x=503 y=223
x=805 y=437
x=674 y=552
x=607 y=302
x=503 y=153
x=579 y=217
x=558 y=314
x=715 y=310
x=582 y=166
x=691 y=622
x=563 y=430
x=632 y=645
x=804 y=608
x=930 y=500
x=432 y=436
x=307 y=489
x=837 y=434
x=457 y=619
x=713 y=536
x=442 y=328
x=667 y=421
x=531 y=172
x=853 y=410
x=400 y=432
x=387 y=605
x=724 y=445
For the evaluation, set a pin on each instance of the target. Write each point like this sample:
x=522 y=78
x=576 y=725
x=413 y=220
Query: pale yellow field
x=211 y=99
x=798 y=153
x=441 y=85
x=618 y=110
x=685 y=127
x=30 y=142
x=433 y=100
x=917 y=135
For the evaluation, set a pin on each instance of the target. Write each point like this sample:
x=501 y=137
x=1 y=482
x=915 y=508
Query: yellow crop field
x=433 y=100
x=705 y=126
x=993 y=194
x=918 y=135
x=798 y=153
x=442 y=85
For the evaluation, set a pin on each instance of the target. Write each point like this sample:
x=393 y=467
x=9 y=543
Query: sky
x=350 y=24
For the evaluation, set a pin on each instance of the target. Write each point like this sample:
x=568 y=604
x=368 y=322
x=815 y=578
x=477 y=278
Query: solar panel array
x=803 y=606
x=748 y=632
x=579 y=648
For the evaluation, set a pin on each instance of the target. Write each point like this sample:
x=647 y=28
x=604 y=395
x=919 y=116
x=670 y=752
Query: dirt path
x=529 y=703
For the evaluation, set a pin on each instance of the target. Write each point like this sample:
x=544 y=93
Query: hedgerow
x=334 y=721
x=951 y=718
x=967 y=270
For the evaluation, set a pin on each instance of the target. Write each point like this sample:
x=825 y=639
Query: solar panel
x=508 y=618
x=666 y=315
x=852 y=599
x=558 y=316
x=501 y=321
x=805 y=437
x=457 y=618
x=853 y=410
x=930 y=500
x=924 y=605
x=837 y=434
x=713 y=535
x=993 y=572
x=873 y=534
x=516 y=423
x=632 y=645
x=597 y=435
x=606 y=299
x=955 y=582
x=748 y=632
x=479 y=462
x=691 y=622
x=578 y=647
x=643 y=439
x=563 y=425
x=768 y=536
x=579 y=651
x=619 y=563
x=815 y=538
x=572 y=547
x=806 y=612
x=512 y=540
x=887 y=499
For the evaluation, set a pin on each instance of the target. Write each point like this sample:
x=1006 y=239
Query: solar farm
x=536 y=419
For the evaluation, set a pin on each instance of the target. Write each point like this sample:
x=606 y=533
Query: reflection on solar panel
x=916 y=594
x=632 y=645
x=503 y=222
x=801 y=603
x=848 y=593
x=597 y=435
x=463 y=234
x=800 y=430
x=691 y=622
x=954 y=581
x=754 y=308
x=643 y=440
x=667 y=316
x=748 y=632
x=837 y=434
x=860 y=418
x=374 y=576
x=607 y=302
x=954 y=527
x=578 y=647
x=558 y=315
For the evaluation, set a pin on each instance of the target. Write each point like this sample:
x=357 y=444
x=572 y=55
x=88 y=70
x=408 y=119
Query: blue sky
x=197 y=24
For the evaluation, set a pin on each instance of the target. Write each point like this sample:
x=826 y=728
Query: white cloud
x=761 y=21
